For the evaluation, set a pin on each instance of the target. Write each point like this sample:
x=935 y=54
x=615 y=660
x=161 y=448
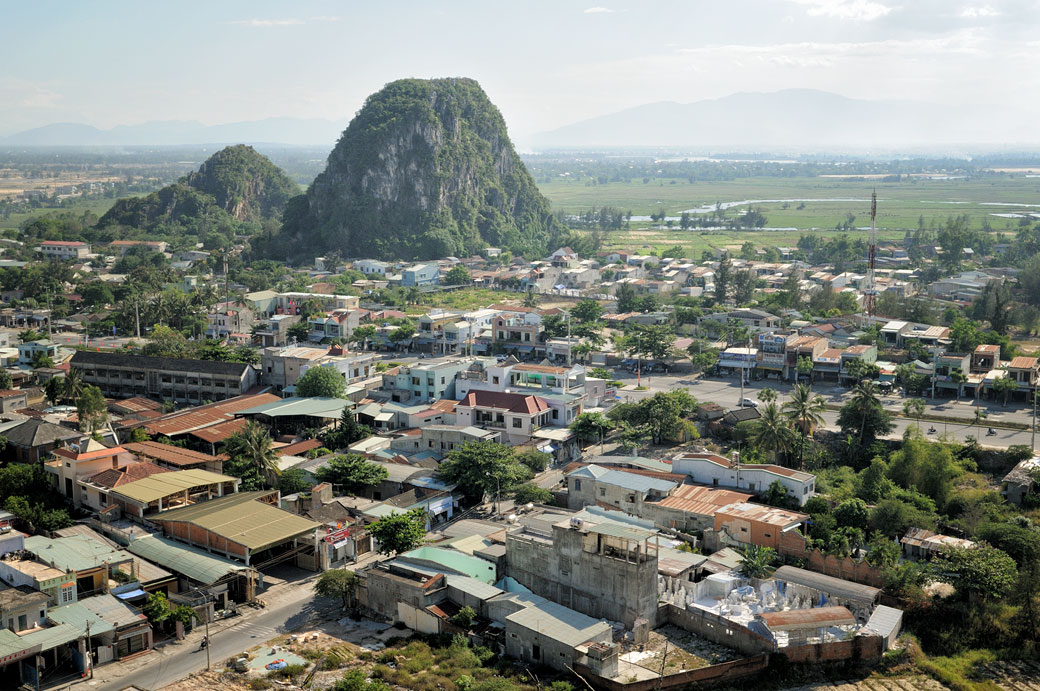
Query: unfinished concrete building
x=603 y=569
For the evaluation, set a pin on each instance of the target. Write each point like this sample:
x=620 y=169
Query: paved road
x=289 y=610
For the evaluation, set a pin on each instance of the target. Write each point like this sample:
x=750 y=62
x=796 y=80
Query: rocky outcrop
x=425 y=170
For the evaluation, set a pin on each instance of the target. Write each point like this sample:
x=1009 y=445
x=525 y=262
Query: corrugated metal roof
x=558 y=622
x=195 y=564
x=456 y=561
x=169 y=454
x=827 y=584
x=884 y=621
x=241 y=518
x=635 y=483
x=764 y=514
x=617 y=530
x=702 y=500
x=163 y=485
x=814 y=618
x=74 y=553
x=41 y=640
x=472 y=586
x=104 y=612
x=317 y=406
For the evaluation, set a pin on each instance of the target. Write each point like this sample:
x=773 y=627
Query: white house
x=711 y=469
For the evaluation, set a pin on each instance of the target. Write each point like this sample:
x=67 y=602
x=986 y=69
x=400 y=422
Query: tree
x=767 y=395
x=351 y=472
x=804 y=366
x=983 y=570
x=757 y=561
x=251 y=457
x=702 y=360
x=851 y=513
x=529 y=493
x=399 y=532
x=54 y=389
x=157 y=608
x=1005 y=385
x=591 y=427
x=326 y=382
x=893 y=517
x=662 y=416
x=914 y=408
x=777 y=495
x=863 y=415
x=337 y=583
x=651 y=342
x=483 y=468
x=722 y=280
x=805 y=411
x=91 y=409
x=346 y=432
x=402 y=334
x=292 y=481
x=6 y=382
x=72 y=384
x=536 y=461
x=29 y=335
x=587 y=311
x=41 y=360
x=626 y=298
x=464 y=617
x=873 y=482
x=361 y=335
x=457 y=276
x=772 y=432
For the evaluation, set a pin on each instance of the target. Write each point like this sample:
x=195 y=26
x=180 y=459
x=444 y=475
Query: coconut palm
x=772 y=432
x=767 y=395
x=805 y=411
x=865 y=397
x=251 y=450
x=72 y=386
x=757 y=561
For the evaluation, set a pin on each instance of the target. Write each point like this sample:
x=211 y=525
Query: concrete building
x=282 y=367
x=419 y=275
x=174 y=379
x=27 y=351
x=424 y=382
x=64 y=250
x=372 y=267
x=1019 y=483
x=717 y=471
x=442 y=438
x=757 y=524
x=516 y=416
x=595 y=485
x=755 y=320
x=542 y=632
x=160 y=492
x=600 y=569
x=71 y=465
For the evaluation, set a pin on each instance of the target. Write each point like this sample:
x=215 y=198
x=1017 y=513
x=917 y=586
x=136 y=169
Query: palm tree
x=767 y=395
x=805 y=411
x=73 y=385
x=772 y=431
x=757 y=561
x=251 y=447
x=865 y=396
x=914 y=408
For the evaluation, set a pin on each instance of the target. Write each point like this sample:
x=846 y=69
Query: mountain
x=292 y=131
x=789 y=118
x=234 y=184
x=425 y=170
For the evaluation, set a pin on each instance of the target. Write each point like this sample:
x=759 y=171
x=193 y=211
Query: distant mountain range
x=292 y=131
x=793 y=118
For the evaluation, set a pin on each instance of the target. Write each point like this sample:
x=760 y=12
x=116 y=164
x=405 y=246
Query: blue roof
x=636 y=483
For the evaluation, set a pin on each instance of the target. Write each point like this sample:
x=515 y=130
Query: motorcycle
x=990 y=432
x=931 y=430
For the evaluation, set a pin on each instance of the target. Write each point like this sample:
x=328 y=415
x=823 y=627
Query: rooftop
x=474 y=567
x=195 y=564
x=174 y=455
x=511 y=402
x=158 y=486
x=105 y=359
x=319 y=407
x=556 y=621
x=242 y=519
x=764 y=514
x=74 y=553
x=814 y=618
x=827 y=584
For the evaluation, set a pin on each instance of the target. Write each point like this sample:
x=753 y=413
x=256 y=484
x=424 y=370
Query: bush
x=287 y=672
x=529 y=493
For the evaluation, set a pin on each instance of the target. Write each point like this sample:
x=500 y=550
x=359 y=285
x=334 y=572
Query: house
x=422 y=382
x=543 y=632
x=116 y=630
x=28 y=351
x=892 y=332
x=92 y=563
x=420 y=275
x=754 y=320
x=175 y=457
x=1024 y=370
x=32 y=440
x=596 y=485
x=517 y=416
x=72 y=464
x=159 y=492
x=717 y=471
x=94 y=489
x=772 y=353
x=372 y=267
x=919 y=543
x=177 y=379
x=12 y=400
x=124 y=246
x=64 y=250
x=757 y=524
x=985 y=358
x=804 y=346
x=22 y=608
x=866 y=354
x=1022 y=481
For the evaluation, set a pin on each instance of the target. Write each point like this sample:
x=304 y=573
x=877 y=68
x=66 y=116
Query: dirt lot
x=679 y=651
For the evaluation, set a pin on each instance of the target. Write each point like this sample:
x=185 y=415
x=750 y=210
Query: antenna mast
x=870 y=292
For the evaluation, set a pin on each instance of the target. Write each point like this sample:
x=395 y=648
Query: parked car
x=748 y=403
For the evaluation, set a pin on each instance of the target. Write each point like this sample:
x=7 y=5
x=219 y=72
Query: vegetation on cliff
x=425 y=170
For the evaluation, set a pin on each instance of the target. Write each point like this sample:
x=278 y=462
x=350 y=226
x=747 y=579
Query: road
x=291 y=608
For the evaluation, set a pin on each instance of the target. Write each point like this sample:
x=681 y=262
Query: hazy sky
x=545 y=64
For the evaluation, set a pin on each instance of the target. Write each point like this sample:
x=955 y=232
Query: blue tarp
x=130 y=595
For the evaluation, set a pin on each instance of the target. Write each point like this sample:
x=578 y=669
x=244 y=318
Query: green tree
x=457 y=276
x=483 y=468
x=340 y=584
x=41 y=360
x=873 y=482
x=251 y=457
x=882 y=552
x=464 y=617
x=591 y=427
x=914 y=408
x=72 y=384
x=300 y=331
x=1004 y=386
x=6 y=382
x=983 y=570
x=626 y=298
x=346 y=432
x=351 y=472
x=772 y=432
x=536 y=461
x=157 y=608
x=529 y=493
x=29 y=335
x=362 y=335
x=399 y=532
x=851 y=513
x=91 y=409
x=757 y=561
x=767 y=395
x=587 y=311
x=702 y=359
x=54 y=389
x=292 y=481
x=777 y=495
x=805 y=411
x=723 y=279
x=804 y=366
x=326 y=382
x=863 y=414
x=892 y=517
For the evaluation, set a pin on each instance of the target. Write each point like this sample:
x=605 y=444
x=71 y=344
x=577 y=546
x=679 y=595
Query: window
x=68 y=594
x=517 y=423
x=602 y=491
x=555 y=413
x=577 y=485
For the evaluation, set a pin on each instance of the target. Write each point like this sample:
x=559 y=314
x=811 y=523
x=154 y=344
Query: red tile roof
x=513 y=402
x=1023 y=362
x=114 y=477
x=300 y=447
x=169 y=454
x=217 y=433
x=203 y=416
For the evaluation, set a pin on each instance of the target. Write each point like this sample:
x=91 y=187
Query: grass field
x=98 y=206
x=900 y=205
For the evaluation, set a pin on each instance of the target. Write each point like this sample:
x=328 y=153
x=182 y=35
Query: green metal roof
x=161 y=485
x=474 y=567
x=74 y=553
x=558 y=622
x=316 y=406
x=241 y=518
x=193 y=563
x=38 y=641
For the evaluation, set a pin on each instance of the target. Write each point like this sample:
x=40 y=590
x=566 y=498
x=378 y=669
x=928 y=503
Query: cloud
x=23 y=94
x=268 y=22
x=599 y=10
x=856 y=10
x=983 y=11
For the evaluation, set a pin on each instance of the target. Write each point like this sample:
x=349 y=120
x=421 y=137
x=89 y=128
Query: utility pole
x=1032 y=440
x=568 y=339
x=90 y=652
x=207 y=639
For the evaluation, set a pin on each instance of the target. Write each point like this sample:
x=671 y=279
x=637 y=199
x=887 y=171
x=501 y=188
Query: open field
x=900 y=204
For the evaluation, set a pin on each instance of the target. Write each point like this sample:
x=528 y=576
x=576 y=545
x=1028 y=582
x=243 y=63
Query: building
x=517 y=416
x=603 y=569
x=420 y=275
x=1024 y=370
x=595 y=485
x=1021 y=482
x=424 y=382
x=124 y=246
x=950 y=373
x=175 y=379
x=442 y=438
x=542 y=632
x=919 y=543
x=94 y=489
x=90 y=562
x=22 y=608
x=372 y=267
x=867 y=354
x=757 y=524
x=772 y=353
x=175 y=457
x=72 y=464
x=64 y=250
x=116 y=630
x=12 y=400
x=754 y=320
x=33 y=440
x=717 y=471
x=985 y=358
x=336 y=324
x=562 y=388
x=162 y=491
x=246 y=527
x=28 y=351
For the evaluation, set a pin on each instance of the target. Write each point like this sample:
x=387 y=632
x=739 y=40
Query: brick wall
x=793 y=546
x=715 y=674
x=857 y=648
x=716 y=628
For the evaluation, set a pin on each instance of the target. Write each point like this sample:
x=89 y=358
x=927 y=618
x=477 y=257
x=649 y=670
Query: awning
x=130 y=595
x=341 y=543
x=384 y=417
x=525 y=349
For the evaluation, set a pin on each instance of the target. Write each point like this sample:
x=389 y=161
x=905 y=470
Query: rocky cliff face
x=425 y=170
x=237 y=180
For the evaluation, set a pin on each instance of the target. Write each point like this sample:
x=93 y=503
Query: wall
x=857 y=648
x=520 y=642
x=793 y=546
x=724 y=673
x=717 y=629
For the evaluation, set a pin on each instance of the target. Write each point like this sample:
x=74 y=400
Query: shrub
x=287 y=672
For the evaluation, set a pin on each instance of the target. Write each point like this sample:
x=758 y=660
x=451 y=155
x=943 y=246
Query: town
x=618 y=457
